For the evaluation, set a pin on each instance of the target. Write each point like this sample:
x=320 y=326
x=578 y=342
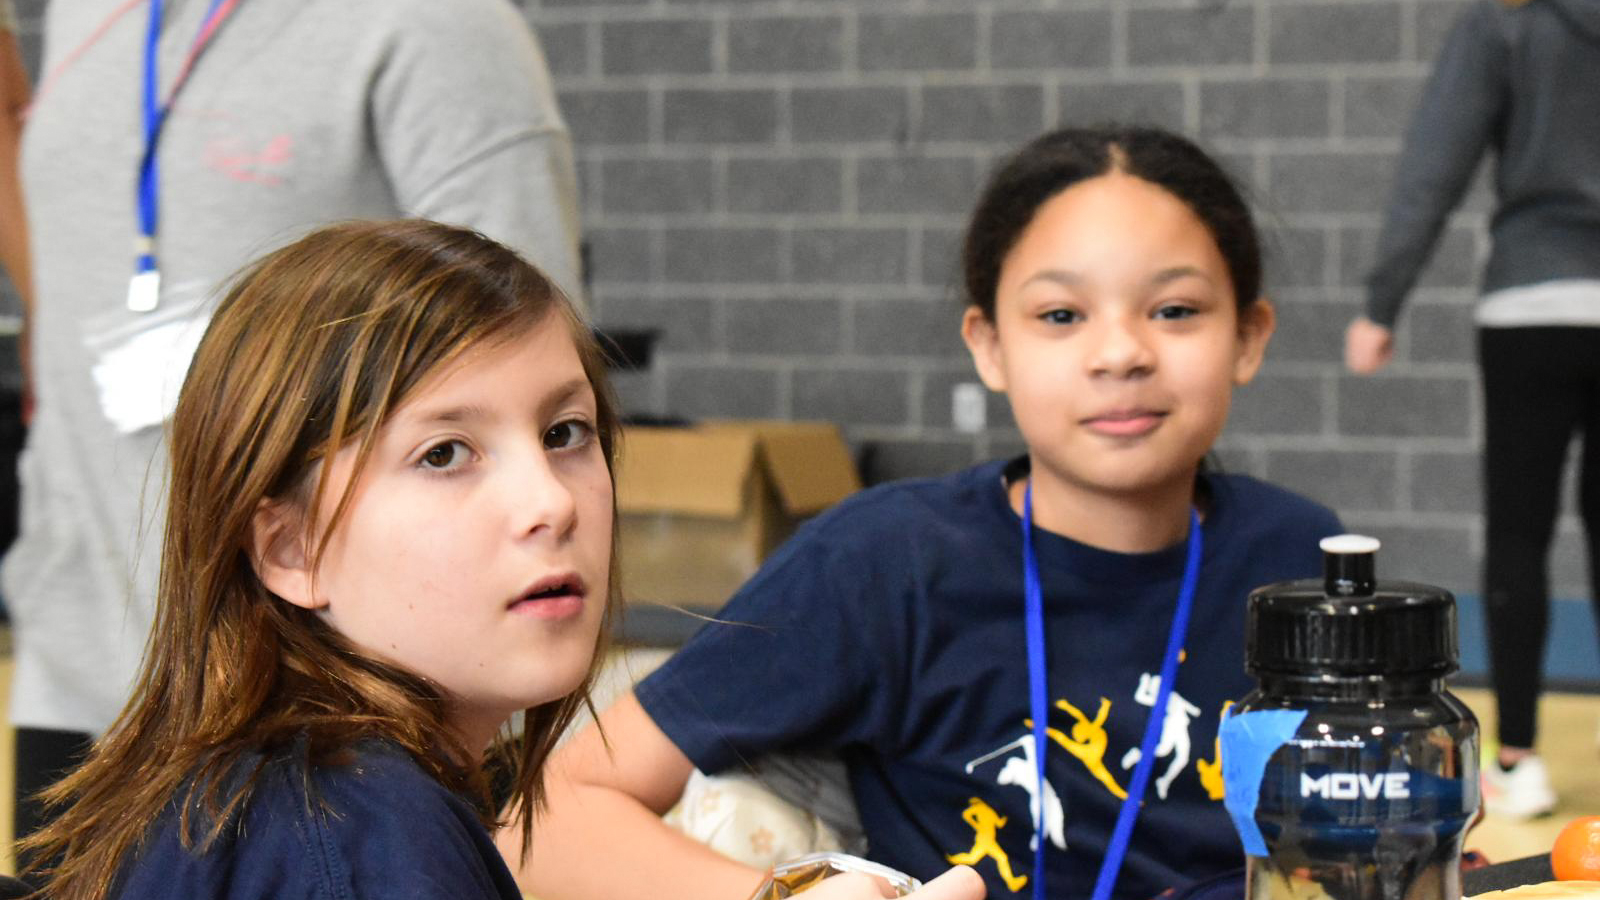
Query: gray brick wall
x=780 y=185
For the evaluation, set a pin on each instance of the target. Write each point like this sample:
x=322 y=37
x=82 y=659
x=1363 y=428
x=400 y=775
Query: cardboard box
x=701 y=507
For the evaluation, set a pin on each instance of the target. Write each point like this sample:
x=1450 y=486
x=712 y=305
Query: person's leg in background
x=1589 y=477
x=1531 y=407
x=43 y=757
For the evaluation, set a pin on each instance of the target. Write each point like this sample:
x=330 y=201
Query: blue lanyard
x=155 y=116
x=1039 y=705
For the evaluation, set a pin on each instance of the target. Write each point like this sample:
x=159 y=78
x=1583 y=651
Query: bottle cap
x=1349 y=624
x=1349 y=568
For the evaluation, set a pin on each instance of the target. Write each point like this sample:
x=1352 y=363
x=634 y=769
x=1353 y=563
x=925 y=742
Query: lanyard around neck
x=143 y=291
x=1039 y=705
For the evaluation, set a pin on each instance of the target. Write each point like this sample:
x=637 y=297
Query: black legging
x=1540 y=386
x=43 y=756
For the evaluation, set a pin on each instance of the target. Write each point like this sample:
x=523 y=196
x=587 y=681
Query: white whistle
x=144 y=290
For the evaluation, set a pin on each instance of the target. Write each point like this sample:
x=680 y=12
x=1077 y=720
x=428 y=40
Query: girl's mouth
x=554 y=597
x=1125 y=423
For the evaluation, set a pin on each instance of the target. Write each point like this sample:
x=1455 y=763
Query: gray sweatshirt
x=301 y=112
x=1524 y=82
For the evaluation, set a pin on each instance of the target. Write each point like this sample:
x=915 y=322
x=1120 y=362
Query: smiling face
x=1117 y=338
x=476 y=548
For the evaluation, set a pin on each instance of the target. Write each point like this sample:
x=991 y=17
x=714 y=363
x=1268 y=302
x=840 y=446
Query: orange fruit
x=1576 y=854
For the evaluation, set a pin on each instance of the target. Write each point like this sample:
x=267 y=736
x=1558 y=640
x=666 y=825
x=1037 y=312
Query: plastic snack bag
x=796 y=875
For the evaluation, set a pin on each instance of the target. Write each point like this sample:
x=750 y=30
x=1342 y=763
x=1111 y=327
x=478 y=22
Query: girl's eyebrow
x=568 y=389
x=464 y=413
x=474 y=412
x=1055 y=276
x=1176 y=272
x=1073 y=279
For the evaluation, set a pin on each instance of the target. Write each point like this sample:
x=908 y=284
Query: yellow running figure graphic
x=1088 y=742
x=985 y=824
x=1211 y=772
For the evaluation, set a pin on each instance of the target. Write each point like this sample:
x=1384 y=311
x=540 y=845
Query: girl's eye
x=1062 y=316
x=446 y=455
x=1175 y=311
x=568 y=434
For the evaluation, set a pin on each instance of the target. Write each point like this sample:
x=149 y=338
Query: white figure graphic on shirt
x=1174 y=731
x=1023 y=771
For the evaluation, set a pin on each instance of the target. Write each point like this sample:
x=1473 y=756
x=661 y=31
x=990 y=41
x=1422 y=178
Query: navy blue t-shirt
x=890 y=631
x=377 y=827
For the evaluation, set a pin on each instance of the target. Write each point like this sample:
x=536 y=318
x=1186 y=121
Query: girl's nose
x=539 y=499
x=1120 y=349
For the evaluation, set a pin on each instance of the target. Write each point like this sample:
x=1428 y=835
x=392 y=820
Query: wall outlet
x=969 y=406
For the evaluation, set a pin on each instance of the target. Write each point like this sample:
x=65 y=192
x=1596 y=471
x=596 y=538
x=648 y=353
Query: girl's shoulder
x=387 y=823
x=368 y=820
x=953 y=496
x=894 y=526
x=1250 y=506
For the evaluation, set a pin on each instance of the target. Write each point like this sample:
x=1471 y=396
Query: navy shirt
x=890 y=632
x=377 y=827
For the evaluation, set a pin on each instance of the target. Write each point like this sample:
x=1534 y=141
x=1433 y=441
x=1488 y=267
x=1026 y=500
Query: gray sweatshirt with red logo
x=1521 y=81
x=300 y=113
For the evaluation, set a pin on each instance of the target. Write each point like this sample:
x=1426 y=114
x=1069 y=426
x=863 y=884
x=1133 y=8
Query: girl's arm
x=14 y=93
x=602 y=834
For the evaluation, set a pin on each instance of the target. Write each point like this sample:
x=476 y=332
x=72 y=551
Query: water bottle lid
x=1349 y=624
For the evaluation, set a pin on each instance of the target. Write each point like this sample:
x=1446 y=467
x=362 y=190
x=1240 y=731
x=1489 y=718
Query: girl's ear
x=1256 y=324
x=983 y=342
x=278 y=553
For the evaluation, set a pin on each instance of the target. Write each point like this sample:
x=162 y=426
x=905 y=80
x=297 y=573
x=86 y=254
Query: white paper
x=142 y=358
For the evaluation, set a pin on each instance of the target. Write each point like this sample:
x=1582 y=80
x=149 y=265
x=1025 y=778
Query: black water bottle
x=1351 y=772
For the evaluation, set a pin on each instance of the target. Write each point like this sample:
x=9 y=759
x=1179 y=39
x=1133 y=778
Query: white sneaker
x=1523 y=792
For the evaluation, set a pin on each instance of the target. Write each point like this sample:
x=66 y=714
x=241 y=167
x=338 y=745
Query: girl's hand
x=1368 y=346
x=960 y=883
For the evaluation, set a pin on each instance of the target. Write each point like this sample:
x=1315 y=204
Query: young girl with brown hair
x=389 y=530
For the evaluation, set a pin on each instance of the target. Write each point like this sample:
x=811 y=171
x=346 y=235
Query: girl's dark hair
x=1060 y=159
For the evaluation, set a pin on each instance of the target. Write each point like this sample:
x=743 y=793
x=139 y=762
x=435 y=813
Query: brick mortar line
x=1354 y=443
x=859 y=362
x=850 y=39
x=1448 y=521
x=1087 y=76
x=537 y=15
x=1399 y=370
x=866 y=220
x=689 y=153
x=1277 y=148
x=720 y=49
x=786 y=392
x=1405 y=464
x=762 y=291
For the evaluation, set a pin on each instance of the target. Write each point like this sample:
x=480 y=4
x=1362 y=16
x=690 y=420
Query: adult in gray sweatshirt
x=297 y=113
x=1519 y=79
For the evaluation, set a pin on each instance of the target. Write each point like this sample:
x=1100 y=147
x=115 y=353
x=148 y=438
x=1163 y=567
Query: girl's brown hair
x=310 y=351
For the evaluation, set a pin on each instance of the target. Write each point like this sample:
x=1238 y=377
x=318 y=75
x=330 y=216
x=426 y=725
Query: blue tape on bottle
x=1248 y=741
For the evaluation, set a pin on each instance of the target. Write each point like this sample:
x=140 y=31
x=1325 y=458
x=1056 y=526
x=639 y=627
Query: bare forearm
x=14 y=94
x=599 y=842
x=13 y=221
